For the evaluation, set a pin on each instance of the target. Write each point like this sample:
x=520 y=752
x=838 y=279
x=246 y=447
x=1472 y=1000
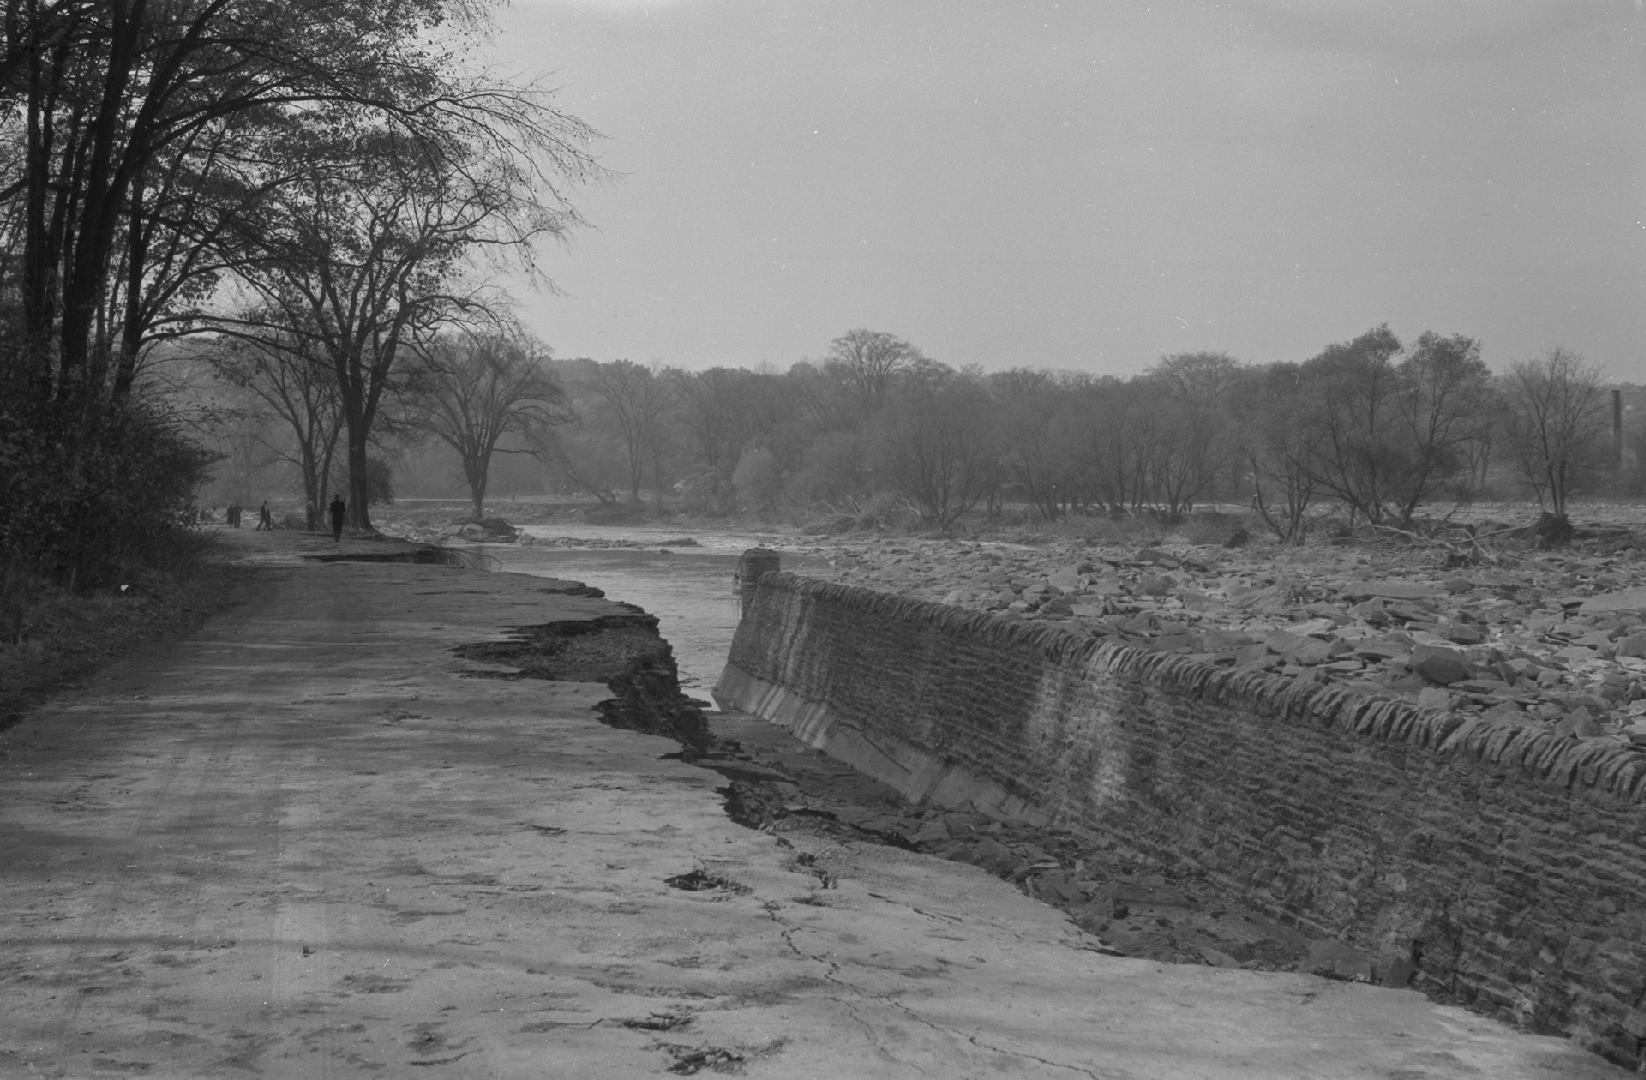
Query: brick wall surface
x=1503 y=864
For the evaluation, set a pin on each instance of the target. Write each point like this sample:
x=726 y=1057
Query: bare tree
x=1443 y=403
x=1036 y=429
x=282 y=371
x=472 y=389
x=937 y=448
x=1114 y=427
x=1352 y=385
x=637 y=399
x=369 y=258
x=870 y=361
x=1269 y=406
x=1385 y=435
x=1192 y=441
x=1557 y=423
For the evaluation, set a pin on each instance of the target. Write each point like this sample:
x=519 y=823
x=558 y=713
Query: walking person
x=265 y=523
x=338 y=509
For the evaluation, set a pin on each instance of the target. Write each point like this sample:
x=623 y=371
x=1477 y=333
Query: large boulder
x=1440 y=665
x=487 y=530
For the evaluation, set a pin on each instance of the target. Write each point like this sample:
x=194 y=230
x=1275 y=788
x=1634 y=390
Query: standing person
x=338 y=509
x=265 y=523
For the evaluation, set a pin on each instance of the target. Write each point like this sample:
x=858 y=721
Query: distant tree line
x=1372 y=429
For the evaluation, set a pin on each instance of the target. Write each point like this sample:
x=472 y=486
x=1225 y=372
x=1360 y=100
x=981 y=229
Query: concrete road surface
x=303 y=843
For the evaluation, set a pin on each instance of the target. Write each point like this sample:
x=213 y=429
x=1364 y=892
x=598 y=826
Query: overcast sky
x=1093 y=184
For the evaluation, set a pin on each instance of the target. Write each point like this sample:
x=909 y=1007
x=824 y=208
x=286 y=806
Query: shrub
x=82 y=501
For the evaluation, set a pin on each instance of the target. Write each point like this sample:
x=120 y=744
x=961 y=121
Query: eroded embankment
x=778 y=784
x=1487 y=863
x=417 y=554
x=622 y=650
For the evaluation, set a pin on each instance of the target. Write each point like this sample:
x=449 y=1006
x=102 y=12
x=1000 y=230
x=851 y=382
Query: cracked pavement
x=304 y=843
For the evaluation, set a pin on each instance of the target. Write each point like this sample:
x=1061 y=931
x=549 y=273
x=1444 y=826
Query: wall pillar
x=754 y=562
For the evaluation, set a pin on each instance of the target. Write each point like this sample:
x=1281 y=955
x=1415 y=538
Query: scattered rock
x=1631 y=600
x=1433 y=697
x=1388 y=590
x=1577 y=724
x=1441 y=665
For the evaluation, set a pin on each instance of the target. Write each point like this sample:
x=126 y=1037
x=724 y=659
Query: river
x=687 y=586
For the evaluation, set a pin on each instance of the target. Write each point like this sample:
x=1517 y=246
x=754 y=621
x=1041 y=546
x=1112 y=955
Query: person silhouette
x=264 y=521
x=338 y=509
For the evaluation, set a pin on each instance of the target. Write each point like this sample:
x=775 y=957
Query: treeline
x=1371 y=427
x=312 y=182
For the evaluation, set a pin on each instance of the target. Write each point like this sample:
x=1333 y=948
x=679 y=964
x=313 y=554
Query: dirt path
x=310 y=842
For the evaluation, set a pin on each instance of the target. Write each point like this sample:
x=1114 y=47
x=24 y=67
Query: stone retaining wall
x=1491 y=863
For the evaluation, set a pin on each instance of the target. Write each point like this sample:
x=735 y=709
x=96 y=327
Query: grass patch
x=53 y=638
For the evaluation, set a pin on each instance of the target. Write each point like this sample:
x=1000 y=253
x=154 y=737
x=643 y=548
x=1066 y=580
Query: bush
x=1215 y=527
x=82 y=500
x=888 y=510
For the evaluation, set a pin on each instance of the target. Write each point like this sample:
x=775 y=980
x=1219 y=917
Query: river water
x=688 y=587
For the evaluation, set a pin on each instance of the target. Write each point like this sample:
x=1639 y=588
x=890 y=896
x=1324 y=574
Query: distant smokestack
x=1617 y=429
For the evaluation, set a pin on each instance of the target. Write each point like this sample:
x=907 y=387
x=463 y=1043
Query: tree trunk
x=359 y=481
x=477 y=487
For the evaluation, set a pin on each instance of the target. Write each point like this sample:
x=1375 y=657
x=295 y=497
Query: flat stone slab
x=1619 y=600
x=1390 y=590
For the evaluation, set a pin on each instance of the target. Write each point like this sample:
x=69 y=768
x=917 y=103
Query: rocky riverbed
x=1553 y=637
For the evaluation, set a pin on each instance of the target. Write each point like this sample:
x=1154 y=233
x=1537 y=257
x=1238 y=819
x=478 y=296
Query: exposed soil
x=623 y=651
